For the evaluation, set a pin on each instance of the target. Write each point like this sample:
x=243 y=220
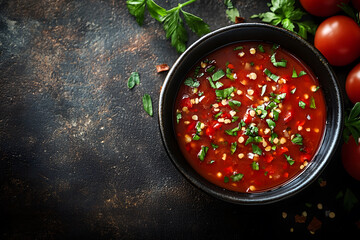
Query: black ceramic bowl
x=293 y=44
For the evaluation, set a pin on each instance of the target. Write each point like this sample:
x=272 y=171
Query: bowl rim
x=253 y=198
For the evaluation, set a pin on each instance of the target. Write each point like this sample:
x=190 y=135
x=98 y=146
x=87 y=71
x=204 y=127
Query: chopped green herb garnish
x=211 y=82
x=224 y=93
x=211 y=161
x=233 y=104
x=261 y=48
x=218 y=75
x=210 y=69
x=312 y=103
x=261 y=109
x=202 y=153
x=271 y=123
x=218 y=115
x=298 y=139
x=293 y=91
x=238 y=48
x=234 y=118
x=233 y=132
x=226 y=179
x=282 y=62
x=289 y=159
x=214 y=146
x=271 y=105
x=233 y=147
x=295 y=75
x=256 y=149
x=275 y=114
x=255 y=139
x=178 y=117
x=252 y=131
x=255 y=166
x=200 y=94
x=302 y=104
x=191 y=83
x=218 y=85
x=252 y=64
x=237 y=177
x=271 y=75
x=196 y=137
x=352 y=124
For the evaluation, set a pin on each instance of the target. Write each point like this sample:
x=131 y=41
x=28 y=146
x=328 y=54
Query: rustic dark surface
x=80 y=157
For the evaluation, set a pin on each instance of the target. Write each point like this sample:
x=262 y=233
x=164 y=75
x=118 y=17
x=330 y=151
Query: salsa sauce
x=249 y=116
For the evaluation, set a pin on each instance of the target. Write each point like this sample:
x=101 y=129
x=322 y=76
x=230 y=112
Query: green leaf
x=232 y=13
x=275 y=114
x=271 y=123
x=214 y=146
x=233 y=104
x=196 y=24
x=298 y=139
x=191 y=83
x=155 y=10
x=350 y=200
x=178 y=117
x=282 y=62
x=237 y=177
x=202 y=153
x=256 y=149
x=289 y=159
x=224 y=93
x=174 y=28
x=312 y=103
x=287 y=24
x=133 y=80
x=302 y=104
x=137 y=9
x=226 y=179
x=147 y=104
x=233 y=131
x=263 y=90
x=233 y=147
x=271 y=75
x=261 y=48
x=255 y=166
x=218 y=75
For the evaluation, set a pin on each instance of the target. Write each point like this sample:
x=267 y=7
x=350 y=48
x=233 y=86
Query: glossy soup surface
x=249 y=116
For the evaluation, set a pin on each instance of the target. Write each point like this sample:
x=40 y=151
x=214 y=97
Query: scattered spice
x=300 y=219
x=162 y=67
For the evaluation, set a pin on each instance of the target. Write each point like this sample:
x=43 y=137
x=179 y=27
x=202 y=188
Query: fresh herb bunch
x=171 y=20
x=284 y=12
x=352 y=123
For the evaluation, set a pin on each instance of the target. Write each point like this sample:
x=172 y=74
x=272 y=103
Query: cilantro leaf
x=203 y=152
x=237 y=177
x=174 y=28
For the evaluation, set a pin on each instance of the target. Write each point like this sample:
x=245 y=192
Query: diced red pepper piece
x=285 y=89
x=300 y=123
x=247 y=118
x=282 y=150
x=230 y=66
x=217 y=125
x=210 y=131
x=228 y=170
x=188 y=147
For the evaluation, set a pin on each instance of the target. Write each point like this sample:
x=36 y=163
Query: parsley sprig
x=172 y=21
x=352 y=123
x=284 y=12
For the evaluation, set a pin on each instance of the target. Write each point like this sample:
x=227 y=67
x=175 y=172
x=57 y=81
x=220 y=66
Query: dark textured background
x=80 y=157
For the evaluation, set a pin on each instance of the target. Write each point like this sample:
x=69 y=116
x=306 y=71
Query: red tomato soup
x=249 y=116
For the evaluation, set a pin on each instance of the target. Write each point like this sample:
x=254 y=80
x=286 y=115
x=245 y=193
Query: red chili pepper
x=286 y=174
x=300 y=123
x=217 y=125
x=210 y=131
x=230 y=66
x=282 y=150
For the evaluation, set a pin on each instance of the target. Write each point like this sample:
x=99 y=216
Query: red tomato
x=322 y=8
x=350 y=155
x=338 y=38
x=356 y=4
x=352 y=84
